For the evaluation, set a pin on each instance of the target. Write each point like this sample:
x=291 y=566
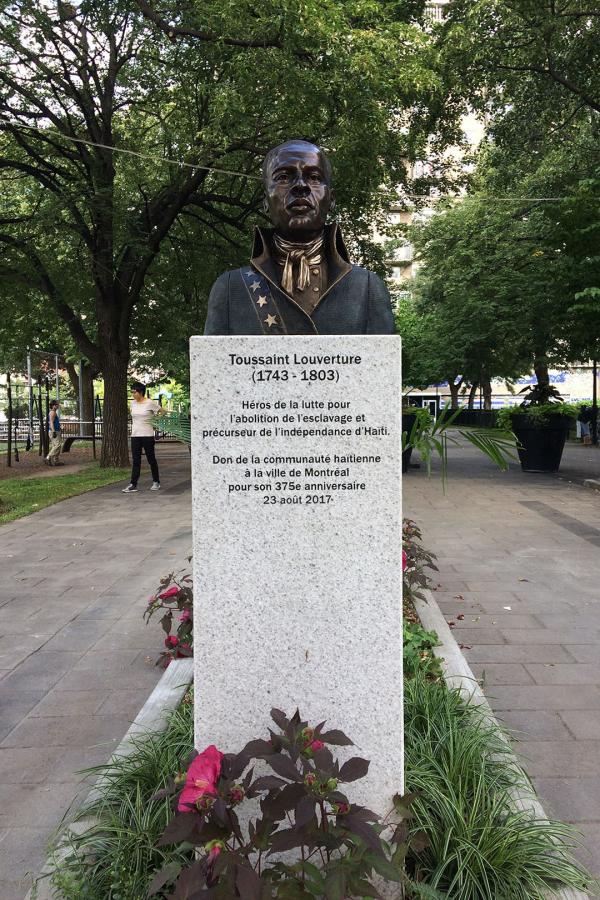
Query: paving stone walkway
x=519 y=560
x=76 y=659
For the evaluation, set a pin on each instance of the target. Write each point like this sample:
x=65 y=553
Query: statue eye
x=281 y=176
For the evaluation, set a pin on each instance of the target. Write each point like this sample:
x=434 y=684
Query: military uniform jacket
x=250 y=301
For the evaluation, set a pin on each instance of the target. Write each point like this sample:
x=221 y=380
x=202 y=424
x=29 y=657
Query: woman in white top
x=143 y=411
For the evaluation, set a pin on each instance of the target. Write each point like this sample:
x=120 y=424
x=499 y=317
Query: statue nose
x=300 y=185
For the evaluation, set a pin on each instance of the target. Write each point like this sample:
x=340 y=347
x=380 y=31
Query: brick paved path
x=519 y=558
x=76 y=659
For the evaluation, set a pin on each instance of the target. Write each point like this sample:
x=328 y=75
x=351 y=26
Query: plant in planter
x=411 y=415
x=431 y=438
x=541 y=424
x=332 y=847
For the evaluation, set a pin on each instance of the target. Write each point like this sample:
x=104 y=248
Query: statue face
x=298 y=191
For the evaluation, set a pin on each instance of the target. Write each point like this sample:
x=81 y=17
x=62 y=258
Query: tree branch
x=45 y=284
x=173 y=31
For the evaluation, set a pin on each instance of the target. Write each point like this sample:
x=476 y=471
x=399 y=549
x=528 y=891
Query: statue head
x=298 y=192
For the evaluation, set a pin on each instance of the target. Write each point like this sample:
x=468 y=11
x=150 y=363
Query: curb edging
x=458 y=674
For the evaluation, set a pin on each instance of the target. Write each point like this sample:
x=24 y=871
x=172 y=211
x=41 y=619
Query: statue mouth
x=300 y=205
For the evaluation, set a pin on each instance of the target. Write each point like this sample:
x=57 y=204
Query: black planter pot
x=408 y=420
x=542 y=443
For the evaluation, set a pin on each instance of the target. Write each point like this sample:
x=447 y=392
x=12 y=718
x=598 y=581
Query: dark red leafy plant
x=301 y=837
x=175 y=600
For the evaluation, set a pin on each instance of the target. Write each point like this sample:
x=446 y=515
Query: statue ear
x=332 y=205
x=265 y=205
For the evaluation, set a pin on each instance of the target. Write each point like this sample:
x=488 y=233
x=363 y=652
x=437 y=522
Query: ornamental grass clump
x=480 y=845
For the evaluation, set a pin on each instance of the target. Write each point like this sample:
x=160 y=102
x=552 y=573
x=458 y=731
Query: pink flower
x=185 y=616
x=201 y=779
x=316 y=745
x=236 y=794
x=404 y=560
x=213 y=848
x=151 y=599
x=171 y=641
x=341 y=809
x=172 y=592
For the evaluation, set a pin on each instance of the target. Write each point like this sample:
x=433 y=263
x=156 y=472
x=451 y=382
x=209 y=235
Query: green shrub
x=418 y=652
x=536 y=413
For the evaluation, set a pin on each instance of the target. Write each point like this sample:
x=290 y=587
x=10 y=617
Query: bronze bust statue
x=300 y=280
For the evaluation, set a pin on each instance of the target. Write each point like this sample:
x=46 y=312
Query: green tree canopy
x=122 y=124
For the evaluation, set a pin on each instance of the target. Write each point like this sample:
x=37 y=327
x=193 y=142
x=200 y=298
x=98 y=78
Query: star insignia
x=249 y=272
x=271 y=320
x=262 y=301
x=255 y=285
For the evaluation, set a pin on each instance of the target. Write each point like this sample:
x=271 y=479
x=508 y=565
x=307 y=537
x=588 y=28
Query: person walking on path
x=143 y=411
x=54 y=435
x=584 y=418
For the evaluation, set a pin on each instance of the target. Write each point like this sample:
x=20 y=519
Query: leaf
x=184 y=827
x=280 y=719
x=189 y=883
x=219 y=811
x=284 y=766
x=234 y=764
x=163 y=877
x=166 y=622
x=354 y=768
x=314 y=874
x=363 y=830
x=384 y=867
x=305 y=810
x=324 y=760
x=258 y=749
x=419 y=842
x=284 y=801
x=265 y=783
x=362 y=888
x=290 y=890
x=160 y=795
x=336 y=737
x=287 y=839
x=335 y=885
x=248 y=883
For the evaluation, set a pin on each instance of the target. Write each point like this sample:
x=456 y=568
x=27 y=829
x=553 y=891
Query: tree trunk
x=541 y=372
x=486 y=385
x=86 y=414
x=10 y=416
x=473 y=394
x=454 y=390
x=115 y=445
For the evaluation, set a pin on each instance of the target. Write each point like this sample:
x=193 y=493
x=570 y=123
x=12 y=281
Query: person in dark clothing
x=300 y=280
x=584 y=418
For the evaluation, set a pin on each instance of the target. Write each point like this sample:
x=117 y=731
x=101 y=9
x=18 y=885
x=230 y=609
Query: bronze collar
x=338 y=263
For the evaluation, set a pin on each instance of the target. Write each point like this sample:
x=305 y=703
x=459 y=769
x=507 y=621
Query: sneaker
x=155 y=486
x=130 y=489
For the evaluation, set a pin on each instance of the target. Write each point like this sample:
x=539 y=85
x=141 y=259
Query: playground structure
x=27 y=403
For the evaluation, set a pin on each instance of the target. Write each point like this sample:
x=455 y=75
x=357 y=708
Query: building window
x=434 y=12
